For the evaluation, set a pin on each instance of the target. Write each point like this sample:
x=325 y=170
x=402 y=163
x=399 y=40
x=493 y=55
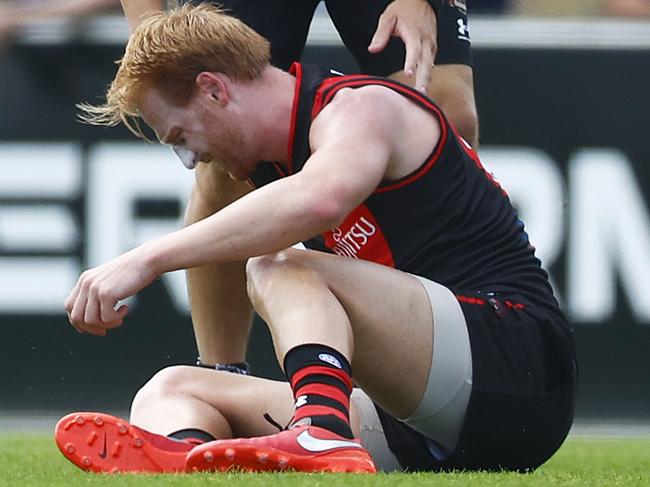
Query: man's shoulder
x=364 y=97
x=370 y=103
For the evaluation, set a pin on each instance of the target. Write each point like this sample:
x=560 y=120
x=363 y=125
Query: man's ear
x=212 y=85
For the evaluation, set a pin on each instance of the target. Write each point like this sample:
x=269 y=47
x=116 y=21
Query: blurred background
x=563 y=96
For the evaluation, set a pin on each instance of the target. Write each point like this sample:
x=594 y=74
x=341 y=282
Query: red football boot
x=301 y=448
x=98 y=442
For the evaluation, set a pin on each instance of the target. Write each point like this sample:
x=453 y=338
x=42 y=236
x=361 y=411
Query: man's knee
x=165 y=383
x=266 y=271
x=258 y=272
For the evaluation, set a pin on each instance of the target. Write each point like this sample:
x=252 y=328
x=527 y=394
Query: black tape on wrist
x=236 y=368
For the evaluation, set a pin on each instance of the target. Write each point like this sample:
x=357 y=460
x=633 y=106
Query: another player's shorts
x=512 y=408
x=285 y=23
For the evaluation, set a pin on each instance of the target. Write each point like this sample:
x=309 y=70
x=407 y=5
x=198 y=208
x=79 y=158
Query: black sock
x=321 y=381
x=192 y=436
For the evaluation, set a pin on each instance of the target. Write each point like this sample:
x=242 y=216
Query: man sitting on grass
x=420 y=277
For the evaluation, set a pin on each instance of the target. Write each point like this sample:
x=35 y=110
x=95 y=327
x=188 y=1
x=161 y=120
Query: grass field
x=27 y=460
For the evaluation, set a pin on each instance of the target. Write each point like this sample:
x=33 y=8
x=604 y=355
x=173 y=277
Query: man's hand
x=414 y=21
x=91 y=303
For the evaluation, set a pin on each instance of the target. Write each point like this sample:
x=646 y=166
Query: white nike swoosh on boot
x=309 y=443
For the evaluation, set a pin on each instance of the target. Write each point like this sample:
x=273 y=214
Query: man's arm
x=351 y=140
x=134 y=10
x=351 y=145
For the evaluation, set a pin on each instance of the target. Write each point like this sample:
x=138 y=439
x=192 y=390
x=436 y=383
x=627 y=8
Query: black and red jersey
x=448 y=221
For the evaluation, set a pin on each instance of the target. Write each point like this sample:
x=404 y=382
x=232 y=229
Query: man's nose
x=188 y=158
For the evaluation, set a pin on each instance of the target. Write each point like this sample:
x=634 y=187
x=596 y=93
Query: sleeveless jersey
x=448 y=221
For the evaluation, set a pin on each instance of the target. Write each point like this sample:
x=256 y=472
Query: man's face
x=200 y=131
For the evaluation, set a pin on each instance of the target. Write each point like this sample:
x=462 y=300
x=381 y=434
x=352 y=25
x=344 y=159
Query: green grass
x=33 y=460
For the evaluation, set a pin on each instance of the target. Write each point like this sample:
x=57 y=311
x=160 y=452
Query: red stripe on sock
x=326 y=391
x=317 y=369
x=313 y=410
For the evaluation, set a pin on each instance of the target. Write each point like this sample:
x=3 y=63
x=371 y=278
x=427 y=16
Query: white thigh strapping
x=441 y=412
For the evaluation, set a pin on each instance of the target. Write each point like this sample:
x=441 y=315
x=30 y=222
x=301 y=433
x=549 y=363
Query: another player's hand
x=91 y=305
x=414 y=21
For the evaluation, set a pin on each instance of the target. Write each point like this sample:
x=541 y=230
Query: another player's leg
x=346 y=308
x=221 y=311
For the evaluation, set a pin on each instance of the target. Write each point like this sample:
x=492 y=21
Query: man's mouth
x=205 y=157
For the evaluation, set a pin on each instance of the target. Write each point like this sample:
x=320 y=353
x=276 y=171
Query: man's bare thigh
x=392 y=325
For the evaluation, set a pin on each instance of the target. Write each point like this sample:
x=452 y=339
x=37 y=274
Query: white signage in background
x=38 y=183
x=120 y=174
x=536 y=187
x=606 y=232
x=610 y=237
x=40 y=170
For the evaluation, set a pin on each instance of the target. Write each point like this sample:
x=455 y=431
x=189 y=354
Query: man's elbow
x=326 y=212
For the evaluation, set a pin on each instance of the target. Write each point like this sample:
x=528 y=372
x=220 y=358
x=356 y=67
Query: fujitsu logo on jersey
x=348 y=245
x=360 y=237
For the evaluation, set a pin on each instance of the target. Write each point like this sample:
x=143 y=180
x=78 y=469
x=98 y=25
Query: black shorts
x=285 y=23
x=523 y=393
